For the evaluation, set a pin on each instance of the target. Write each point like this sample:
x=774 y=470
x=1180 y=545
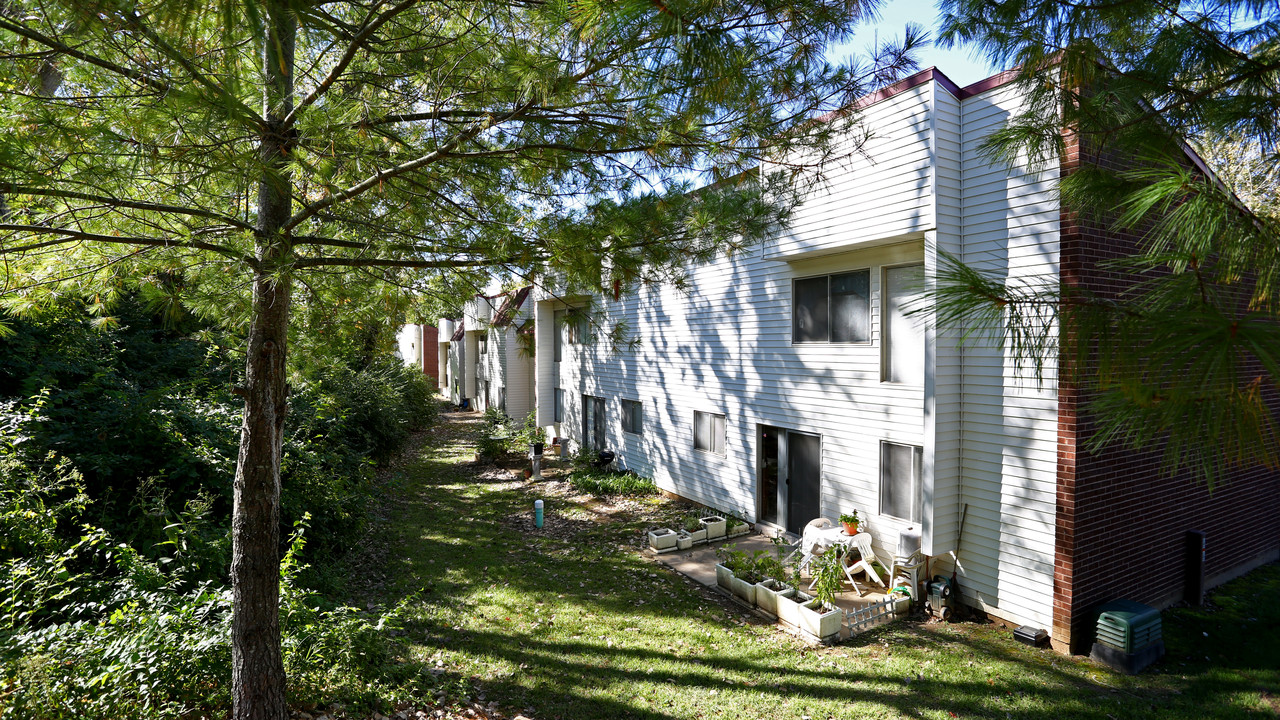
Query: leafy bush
x=597 y=481
x=153 y=653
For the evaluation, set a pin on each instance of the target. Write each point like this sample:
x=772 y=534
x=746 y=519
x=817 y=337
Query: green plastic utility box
x=1129 y=637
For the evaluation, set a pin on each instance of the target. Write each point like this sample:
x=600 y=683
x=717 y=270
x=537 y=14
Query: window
x=593 y=423
x=708 y=432
x=633 y=417
x=576 y=326
x=832 y=308
x=484 y=342
x=560 y=330
x=900 y=480
x=559 y=417
x=903 y=334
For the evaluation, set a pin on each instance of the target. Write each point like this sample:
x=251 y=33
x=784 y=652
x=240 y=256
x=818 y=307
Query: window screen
x=809 y=316
x=559 y=417
x=900 y=480
x=633 y=417
x=851 y=307
x=903 y=334
x=832 y=308
x=708 y=432
x=560 y=330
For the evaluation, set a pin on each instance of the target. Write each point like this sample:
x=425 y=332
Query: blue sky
x=962 y=65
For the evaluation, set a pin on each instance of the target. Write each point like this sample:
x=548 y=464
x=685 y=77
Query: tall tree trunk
x=258 y=682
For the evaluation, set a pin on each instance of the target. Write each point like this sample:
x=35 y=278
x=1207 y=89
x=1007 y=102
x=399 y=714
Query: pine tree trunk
x=258 y=682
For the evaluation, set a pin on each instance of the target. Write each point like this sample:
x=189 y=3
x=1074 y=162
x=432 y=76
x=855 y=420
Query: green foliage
x=692 y=522
x=756 y=567
x=135 y=649
x=828 y=573
x=1179 y=359
x=599 y=481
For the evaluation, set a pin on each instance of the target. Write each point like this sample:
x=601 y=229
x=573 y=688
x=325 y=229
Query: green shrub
x=610 y=482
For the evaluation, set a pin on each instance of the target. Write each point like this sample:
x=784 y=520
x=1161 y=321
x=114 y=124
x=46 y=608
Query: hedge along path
x=574 y=622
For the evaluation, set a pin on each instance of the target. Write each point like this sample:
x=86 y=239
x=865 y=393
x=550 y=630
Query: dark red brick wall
x=431 y=352
x=1121 y=523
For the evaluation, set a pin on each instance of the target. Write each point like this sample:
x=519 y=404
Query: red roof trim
x=920 y=78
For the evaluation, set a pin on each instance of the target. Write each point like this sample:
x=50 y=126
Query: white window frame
x=632 y=416
x=916 y=482
x=828 y=276
x=887 y=330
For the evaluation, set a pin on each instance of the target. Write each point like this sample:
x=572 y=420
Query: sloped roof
x=511 y=304
x=458 y=332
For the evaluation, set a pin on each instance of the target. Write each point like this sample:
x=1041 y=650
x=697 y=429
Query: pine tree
x=246 y=147
x=1188 y=358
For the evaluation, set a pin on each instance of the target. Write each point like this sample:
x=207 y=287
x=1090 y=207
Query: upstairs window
x=483 y=338
x=633 y=417
x=903 y=333
x=708 y=432
x=560 y=330
x=832 y=308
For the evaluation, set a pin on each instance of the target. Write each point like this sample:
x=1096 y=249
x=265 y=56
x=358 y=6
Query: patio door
x=790 y=477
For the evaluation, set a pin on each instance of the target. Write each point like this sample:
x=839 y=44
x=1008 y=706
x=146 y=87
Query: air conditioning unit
x=1128 y=636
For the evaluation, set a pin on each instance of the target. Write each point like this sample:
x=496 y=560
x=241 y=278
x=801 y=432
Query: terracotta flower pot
x=850 y=528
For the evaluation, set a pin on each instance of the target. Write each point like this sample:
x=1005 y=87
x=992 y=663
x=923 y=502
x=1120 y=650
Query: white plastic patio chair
x=813 y=551
x=867 y=555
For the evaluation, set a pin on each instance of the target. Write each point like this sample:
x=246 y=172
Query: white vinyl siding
x=986 y=439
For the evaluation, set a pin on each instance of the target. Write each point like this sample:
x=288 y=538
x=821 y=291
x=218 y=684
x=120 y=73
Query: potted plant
x=772 y=585
x=850 y=522
x=820 y=618
x=662 y=539
x=789 y=607
x=742 y=574
x=715 y=526
x=684 y=540
x=696 y=530
x=735 y=526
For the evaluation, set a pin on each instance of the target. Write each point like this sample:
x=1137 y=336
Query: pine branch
x=53 y=44
x=123 y=203
x=357 y=44
x=70 y=236
x=379 y=262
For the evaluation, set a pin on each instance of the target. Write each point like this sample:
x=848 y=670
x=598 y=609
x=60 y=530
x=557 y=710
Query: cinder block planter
x=768 y=593
x=737 y=530
x=715 y=527
x=684 y=541
x=789 y=607
x=662 y=539
x=820 y=619
x=745 y=591
x=724 y=577
x=699 y=536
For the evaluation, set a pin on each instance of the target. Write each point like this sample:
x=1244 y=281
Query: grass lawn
x=580 y=625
